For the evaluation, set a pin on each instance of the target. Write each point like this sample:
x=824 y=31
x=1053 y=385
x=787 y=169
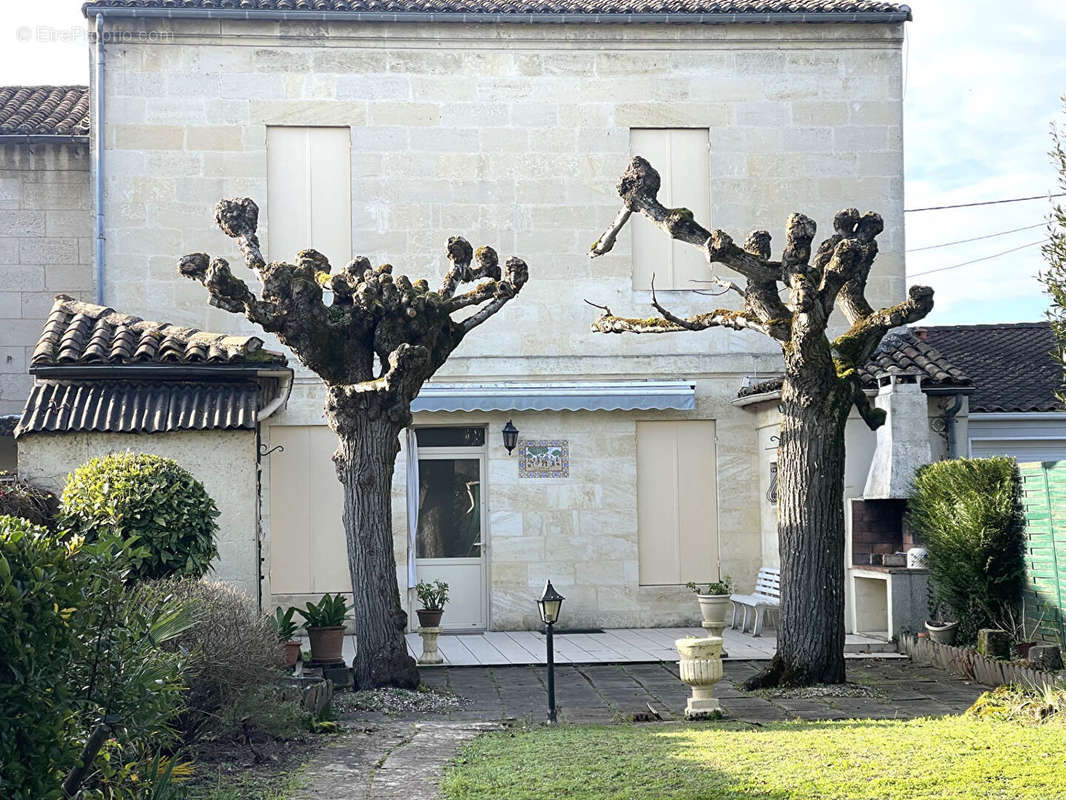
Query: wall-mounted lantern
x=510 y=436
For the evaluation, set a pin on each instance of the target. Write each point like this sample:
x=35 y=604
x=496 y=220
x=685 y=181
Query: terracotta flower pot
x=429 y=617
x=292 y=653
x=327 y=644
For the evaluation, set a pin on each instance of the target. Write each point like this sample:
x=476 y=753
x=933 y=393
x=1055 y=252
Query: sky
x=983 y=82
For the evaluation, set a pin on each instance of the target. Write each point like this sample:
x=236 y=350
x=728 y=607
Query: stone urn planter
x=433 y=597
x=430 y=654
x=942 y=632
x=714 y=609
x=701 y=668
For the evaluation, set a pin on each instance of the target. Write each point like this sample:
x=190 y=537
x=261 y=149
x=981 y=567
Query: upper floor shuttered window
x=682 y=158
x=309 y=192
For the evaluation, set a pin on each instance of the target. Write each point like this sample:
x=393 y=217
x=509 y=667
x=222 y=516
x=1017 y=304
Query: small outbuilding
x=107 y=382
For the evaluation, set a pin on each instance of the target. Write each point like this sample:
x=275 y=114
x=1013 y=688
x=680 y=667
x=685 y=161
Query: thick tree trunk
x=810 y=638
x=365 y=459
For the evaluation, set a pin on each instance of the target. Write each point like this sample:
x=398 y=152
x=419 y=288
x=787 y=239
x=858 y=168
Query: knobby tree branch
x=833 y=276
x=338 y=322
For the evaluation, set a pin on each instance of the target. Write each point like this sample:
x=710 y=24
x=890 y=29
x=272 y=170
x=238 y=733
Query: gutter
x=177 y=371
x=43 y=138
x=272 y=15
x=285 y=377
x=98 y=161
x=949 y=425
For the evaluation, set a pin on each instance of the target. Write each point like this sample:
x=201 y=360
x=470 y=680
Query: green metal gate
x=1044 y=503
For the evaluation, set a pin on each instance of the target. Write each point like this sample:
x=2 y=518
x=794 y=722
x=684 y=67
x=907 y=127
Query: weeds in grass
x=1032 y=704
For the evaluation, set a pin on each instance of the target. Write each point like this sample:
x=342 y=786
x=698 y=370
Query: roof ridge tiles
x=81 y=333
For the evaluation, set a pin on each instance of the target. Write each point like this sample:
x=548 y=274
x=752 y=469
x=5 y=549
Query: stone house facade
x=362 y=132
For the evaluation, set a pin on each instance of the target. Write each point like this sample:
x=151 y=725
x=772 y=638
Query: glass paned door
x=449 y=543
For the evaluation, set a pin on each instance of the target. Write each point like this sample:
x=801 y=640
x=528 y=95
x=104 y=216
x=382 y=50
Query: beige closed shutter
x=677 y=502
x=309 y=193
x=682 y=158
x=308 y=550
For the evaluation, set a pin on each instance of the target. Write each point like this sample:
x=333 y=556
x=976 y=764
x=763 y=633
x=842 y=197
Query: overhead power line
x=976 y=238
x=985 y=203
x=975 y=260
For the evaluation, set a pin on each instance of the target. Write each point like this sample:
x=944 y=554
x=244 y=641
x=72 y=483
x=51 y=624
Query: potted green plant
x=324 y=622
x=713 y=598
x=285 y=629
x=433 y=597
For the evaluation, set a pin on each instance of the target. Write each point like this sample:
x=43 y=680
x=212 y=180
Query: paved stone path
x=402 y=756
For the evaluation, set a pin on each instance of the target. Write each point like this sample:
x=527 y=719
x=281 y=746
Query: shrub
x=37 y=598
x=968 y=514
x=19 y=498
x=156 y=508
x=78 y=648
x=233 y=650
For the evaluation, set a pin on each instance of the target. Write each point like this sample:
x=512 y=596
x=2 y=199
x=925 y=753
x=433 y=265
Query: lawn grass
x=946 y=757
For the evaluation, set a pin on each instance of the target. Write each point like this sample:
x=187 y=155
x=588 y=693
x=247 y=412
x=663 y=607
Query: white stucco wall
x=223 y=461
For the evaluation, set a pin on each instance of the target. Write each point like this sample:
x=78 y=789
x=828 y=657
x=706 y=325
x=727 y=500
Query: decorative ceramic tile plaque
x=544 y=458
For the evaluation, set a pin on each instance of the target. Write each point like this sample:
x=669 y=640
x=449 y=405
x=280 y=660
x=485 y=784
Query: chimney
x=902 y=442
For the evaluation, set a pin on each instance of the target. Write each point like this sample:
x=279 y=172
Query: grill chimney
x=902 y=442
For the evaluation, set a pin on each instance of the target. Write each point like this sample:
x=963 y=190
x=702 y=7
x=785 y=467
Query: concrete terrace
x=613 y=646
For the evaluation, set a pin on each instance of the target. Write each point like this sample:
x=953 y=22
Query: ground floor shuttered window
x=677 y=502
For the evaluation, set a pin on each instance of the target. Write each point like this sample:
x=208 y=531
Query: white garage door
x=1022 y=451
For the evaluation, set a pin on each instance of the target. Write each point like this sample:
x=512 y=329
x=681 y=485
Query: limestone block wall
x=512 y=135
x=223 y=461
x=515 y=136
x=45 y=249
x=581 y=532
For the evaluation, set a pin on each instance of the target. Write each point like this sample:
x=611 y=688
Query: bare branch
x=638 y=188
x=515 y=278
x=858 y=343
x=873 y=417
x=460 y=253
x=606 y=242
x=239 y=219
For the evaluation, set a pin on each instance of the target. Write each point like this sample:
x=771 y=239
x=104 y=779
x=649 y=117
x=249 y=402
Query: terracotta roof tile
x=791 y=7
x=44 y=110
x=1013 y=366
x=78 y=334
x=901 y=352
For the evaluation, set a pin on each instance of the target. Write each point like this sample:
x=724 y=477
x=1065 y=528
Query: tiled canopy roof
x=901 y=352
x=1012 y=365
x=78 y=333
x=723 y=7
x=44 y=110
x=904 y=353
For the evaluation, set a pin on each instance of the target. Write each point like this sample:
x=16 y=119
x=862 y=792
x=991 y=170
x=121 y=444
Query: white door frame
x=468 y=454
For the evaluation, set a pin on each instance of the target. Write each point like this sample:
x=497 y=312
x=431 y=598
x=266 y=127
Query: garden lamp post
x=549 y=604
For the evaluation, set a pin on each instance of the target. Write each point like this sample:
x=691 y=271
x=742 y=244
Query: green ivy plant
x=157 y=509
x=330 y=612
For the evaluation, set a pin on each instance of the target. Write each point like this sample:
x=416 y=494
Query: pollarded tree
x=374 y=345
x=821 y=384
